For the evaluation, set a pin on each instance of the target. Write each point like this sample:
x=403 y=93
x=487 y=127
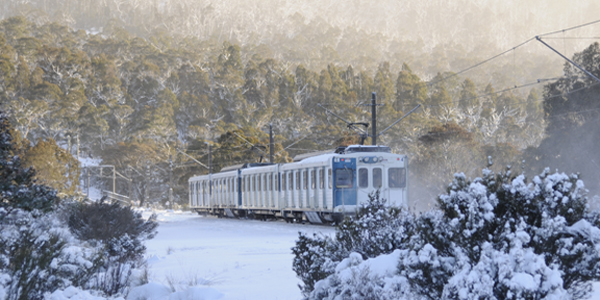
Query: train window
x=330 y=178
x=377 y=178
x=243 y=184
x=343 y=178
x=297 y=180
x=397 y=177
x=305 y=180
x=321 y=179
x=291 y=180
x=313 y=180
x=270 y=182
x=363 y=178
x=258 y=183
x=283 y=182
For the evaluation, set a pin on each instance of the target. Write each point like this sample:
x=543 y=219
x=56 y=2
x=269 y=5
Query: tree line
x=135 y=101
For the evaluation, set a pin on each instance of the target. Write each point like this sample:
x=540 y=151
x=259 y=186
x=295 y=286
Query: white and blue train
x=319 y=189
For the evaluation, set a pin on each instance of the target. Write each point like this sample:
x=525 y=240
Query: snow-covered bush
x=103 y=221
x=38 y=253
x=118 y=231
x=18 y=189
x=496 y=237
x=376 y=229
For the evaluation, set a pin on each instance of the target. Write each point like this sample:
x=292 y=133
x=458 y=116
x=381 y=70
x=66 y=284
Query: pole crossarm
x=192 y=159
x=350 y=124
x=567 y=59
x=120 y=175
x=245 y=140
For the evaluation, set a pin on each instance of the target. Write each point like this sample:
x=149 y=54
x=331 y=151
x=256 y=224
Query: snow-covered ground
x=211 y=258
x=205 y=258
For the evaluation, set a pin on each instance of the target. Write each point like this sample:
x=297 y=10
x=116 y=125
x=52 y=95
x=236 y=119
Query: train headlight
x=381 y=158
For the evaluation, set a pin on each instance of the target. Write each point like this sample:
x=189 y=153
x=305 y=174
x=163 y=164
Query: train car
x=317 y=189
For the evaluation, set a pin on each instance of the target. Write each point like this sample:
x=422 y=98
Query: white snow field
x=204 y=257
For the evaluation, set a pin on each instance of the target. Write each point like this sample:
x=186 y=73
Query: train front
x=361 y=170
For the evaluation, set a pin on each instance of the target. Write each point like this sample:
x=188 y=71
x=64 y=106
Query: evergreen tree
x=18 y=188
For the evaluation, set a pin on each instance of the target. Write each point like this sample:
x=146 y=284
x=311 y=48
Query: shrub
x=375 y=229
x=120 y=230
x=104 y=221
x=496 y=237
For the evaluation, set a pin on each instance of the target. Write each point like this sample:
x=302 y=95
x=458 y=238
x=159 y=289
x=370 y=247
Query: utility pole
x=128 y=172
x=78 y=147
x=170 y=181
x=373 y=119
x=147 y=182
x=88 y=181
x=271 y=143
x=209 y=158
x=69 y=144
x=114 y=179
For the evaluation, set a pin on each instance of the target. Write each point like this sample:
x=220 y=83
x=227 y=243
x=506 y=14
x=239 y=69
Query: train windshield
x=343 y=178
x=397 y=177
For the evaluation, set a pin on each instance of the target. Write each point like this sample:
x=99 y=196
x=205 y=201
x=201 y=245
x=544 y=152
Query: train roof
x=319 y=155
x=244 y=166
x=300 y=157
x=367 y=148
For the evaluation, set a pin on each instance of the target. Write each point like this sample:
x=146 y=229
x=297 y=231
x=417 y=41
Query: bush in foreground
x=38 y=252
x=496 y=237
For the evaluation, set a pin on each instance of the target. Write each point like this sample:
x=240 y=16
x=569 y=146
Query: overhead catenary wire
x=507 y=51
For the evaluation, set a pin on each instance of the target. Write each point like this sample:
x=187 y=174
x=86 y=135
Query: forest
x=112 y=85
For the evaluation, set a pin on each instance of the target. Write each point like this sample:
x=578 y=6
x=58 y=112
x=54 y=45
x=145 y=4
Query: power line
x=511 y=49
x=573 y=38
x=571 y=28
x=539 y=81
x=480 y=63
x=489 y=94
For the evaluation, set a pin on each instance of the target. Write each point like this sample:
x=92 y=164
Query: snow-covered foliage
x=496 y=237
x=376 y=229
x=18 y=188
x=40 y=255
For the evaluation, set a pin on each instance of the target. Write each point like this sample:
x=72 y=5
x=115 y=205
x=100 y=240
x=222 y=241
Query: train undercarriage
x=289 y=216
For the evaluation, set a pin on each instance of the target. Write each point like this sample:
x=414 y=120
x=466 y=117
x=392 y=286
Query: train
x=319 y=188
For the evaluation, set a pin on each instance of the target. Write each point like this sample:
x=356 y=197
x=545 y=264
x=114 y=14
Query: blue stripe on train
x=344 y=181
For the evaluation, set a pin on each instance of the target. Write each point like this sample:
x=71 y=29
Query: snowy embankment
x=196 y=257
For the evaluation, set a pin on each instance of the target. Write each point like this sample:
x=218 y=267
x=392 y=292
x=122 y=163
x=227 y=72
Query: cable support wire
x=489 y=94
x=571 y=28
x=522 y=86
x=511 y=49
x=573 y=38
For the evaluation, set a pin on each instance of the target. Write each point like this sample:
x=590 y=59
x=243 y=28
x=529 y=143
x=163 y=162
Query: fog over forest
x=455 y=33
x=143 y=77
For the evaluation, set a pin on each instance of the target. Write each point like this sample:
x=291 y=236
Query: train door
x=313 y=189
x=396 y=182
x=365 y=186
x=304 y=190
x=297 y=186
x=322 y=189
x=344 y=181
